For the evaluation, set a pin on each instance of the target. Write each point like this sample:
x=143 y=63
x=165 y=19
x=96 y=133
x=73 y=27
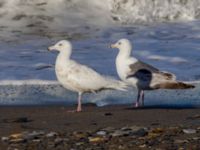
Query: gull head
x=122 y=44
x=61 y=46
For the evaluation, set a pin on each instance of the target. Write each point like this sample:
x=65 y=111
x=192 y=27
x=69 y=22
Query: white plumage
x=141 y=75
x=77 y=77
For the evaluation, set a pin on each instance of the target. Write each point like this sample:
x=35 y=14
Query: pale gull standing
x=77 y=77
x=141 y=75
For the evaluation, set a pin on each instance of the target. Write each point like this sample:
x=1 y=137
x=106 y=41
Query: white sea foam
x=44 y=92
x=166 y=58
x=76 y=13
x=27 y=82
x=154 y=10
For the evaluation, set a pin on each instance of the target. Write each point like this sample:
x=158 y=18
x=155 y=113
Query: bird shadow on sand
x=17 y=120
x=175 y=107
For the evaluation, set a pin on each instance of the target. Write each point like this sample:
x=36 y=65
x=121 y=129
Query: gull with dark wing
x=141 y=75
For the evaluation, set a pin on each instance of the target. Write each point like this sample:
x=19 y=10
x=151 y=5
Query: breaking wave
x=61 y=14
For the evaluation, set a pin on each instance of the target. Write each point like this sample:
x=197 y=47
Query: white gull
x=141 y=75
x=77 y=77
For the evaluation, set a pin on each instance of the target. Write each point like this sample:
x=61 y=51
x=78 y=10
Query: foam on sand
x=47 y=92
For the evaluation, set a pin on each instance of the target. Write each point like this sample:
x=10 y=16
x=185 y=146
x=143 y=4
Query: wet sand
x=56 y=118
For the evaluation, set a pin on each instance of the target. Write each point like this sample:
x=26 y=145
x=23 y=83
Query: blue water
x=164 y=34
x=172 y=47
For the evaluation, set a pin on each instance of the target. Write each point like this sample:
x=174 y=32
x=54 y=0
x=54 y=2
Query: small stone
x=196 y=138
x=135 y=128
x=117 y=133
x=108 y=129
x=189 y=131
x=18 y=140
x=180 y=141
x=157 y=130
x=58 y=140
x=16 y=135
x=121 y=133
x=96 y=139
x=79 y=135
x=143 y=146
x=79 y=143
x=138 y=131
x=32 y=135
x=36 y=140
x=4 y=139
x=126 y=129
x=153 y=135
x=101 y=133
x=51 y=134
x=194 y=117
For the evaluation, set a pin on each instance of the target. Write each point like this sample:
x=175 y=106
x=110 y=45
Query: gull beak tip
x=112 y=46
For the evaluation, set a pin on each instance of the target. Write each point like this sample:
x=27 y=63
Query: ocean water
x=164 y=34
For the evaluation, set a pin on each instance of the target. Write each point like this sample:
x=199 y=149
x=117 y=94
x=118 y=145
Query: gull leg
x=138 y=99
x=79 y=108
x=142 y=96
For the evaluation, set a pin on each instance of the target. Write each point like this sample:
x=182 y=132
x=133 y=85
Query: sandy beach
x=96 y=127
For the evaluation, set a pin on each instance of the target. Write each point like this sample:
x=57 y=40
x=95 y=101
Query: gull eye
x=60 y=44
x=119 y=43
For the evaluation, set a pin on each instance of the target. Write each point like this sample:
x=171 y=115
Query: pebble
x=58 y=140
x=101 y=133
x=79 y=143
x=121 y=133
x=127 y=137
x=189 y=131
x=16 y=135
x=140 y=132
x=143 y=146
x=4 y=139
x=96 y=139
x=108 y=129
x=36 y=140
x=51 y=134
x=18 y=140
x=157 y=130
x=196 y=138
x=79 y=135
x=32 y=135
x=180 y=141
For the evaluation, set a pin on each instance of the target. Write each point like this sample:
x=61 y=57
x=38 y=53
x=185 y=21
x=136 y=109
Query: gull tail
x=176 y=85
x=115 y=84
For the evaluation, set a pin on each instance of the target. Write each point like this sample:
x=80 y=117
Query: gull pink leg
x=142 y=96
x=79 y=108
x=138 y=99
